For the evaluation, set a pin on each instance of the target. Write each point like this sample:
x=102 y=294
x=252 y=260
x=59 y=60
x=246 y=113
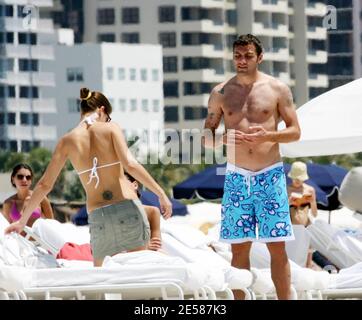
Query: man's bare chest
x=255 y=106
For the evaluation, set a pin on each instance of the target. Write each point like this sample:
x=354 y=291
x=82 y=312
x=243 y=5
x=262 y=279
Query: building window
x=28 y=65
x=29 y=92
x=11 y=118
x=231 y=17
x=156 y=105
x=121 y=74
x=122 y=105
x=7 y=91
x=6 y=11
x=105 y=16
x=170 y=88
x=130 y=15
x=2 y=119
x=167 y=39
x=170 y=64
x=107 y=37
x=73 y=105
x=130 y=37
x=27 y=119
x=25 y=146
x=13 y=146
x=144 y=74
x=145 y=105
x=133 y=104
x=75 y=75
x=155 y=75
x=171 y=114
x=27 y=38
x=195 y=113
x=5 y=66
x=132 y=74
x=166 y=14
x=196 y=88
x=6 y=37
x=110 y=73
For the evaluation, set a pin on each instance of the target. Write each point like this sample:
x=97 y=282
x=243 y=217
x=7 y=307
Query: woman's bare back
x=85 y=144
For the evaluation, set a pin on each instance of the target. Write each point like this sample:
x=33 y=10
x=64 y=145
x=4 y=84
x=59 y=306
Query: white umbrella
x=331 y=124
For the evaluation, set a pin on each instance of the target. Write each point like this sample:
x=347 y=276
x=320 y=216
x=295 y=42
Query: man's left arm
x=288 y=113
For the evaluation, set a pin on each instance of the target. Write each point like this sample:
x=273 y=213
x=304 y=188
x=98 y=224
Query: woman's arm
x=313 y=203
x=6 y=210
x=43 y=187
x=137 y=170
x=46 y=209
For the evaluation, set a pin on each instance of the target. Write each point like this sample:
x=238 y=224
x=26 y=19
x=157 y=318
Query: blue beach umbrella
x=209 y=184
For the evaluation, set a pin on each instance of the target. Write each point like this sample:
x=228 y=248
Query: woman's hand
x=166 y=206
x=17 y=227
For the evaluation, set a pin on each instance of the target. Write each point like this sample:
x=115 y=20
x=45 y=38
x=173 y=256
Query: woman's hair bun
x=84 y=92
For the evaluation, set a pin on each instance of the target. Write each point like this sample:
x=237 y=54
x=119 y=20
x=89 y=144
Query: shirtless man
x=99 y=153
x=255 y=202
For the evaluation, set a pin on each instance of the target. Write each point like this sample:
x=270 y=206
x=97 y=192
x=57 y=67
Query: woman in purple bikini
x=21 y=179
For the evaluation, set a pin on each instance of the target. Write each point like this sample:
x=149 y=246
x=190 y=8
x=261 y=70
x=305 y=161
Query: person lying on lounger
x=153 y=216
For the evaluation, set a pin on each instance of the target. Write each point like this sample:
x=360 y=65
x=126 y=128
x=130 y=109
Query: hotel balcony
x=45 y=79
x=17 y=25
x=277 y=54
x=204 y=3
x=272 y=30
x=317 y=80
x=270 y=6
x=316 y=9
x=318 y=33
x=317 y=56
x=41 y=52
x=25 y=132
x=282 y=76
x=203 y=75
x=202 y=50
x=24 y=105
x=203 y=25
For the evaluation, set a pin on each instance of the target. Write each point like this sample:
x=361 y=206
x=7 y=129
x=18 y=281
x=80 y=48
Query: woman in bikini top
x=21 y=179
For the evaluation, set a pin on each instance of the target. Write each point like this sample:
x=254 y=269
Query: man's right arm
x=214 y=115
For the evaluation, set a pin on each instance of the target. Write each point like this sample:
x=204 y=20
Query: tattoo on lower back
x=107 y=195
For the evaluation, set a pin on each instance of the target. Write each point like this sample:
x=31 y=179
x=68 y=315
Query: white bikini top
x=93 y=172
x=91 y=119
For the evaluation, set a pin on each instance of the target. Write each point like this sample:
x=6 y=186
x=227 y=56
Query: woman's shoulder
x=10 y=200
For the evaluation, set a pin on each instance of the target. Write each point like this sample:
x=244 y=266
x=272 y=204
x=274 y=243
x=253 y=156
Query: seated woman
x=21 y=179
x=302 y=197
x=302 y=200
x=153 y=216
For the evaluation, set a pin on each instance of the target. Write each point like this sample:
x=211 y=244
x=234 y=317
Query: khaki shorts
x=117 y=228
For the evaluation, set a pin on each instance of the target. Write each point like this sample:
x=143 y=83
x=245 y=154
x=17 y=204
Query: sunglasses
x=21 y=177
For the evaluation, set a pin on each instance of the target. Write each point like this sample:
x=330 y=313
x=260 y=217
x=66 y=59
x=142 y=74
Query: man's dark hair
x=245 y=39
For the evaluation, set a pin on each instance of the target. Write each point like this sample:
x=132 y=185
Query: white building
x=294 y=39
x=130 y=76
x=197 y=39
x=25 y=46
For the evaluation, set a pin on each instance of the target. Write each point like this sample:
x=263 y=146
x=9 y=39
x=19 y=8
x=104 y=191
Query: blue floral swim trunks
x=255 y=206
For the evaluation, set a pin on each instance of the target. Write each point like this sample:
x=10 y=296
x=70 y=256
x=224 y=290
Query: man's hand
x=256 y=135
x=234 y=137
x=166 y=206
x=15 y=227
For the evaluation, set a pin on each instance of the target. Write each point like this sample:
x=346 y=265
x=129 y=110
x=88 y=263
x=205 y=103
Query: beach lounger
x=341 y=248
x=149 y=270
